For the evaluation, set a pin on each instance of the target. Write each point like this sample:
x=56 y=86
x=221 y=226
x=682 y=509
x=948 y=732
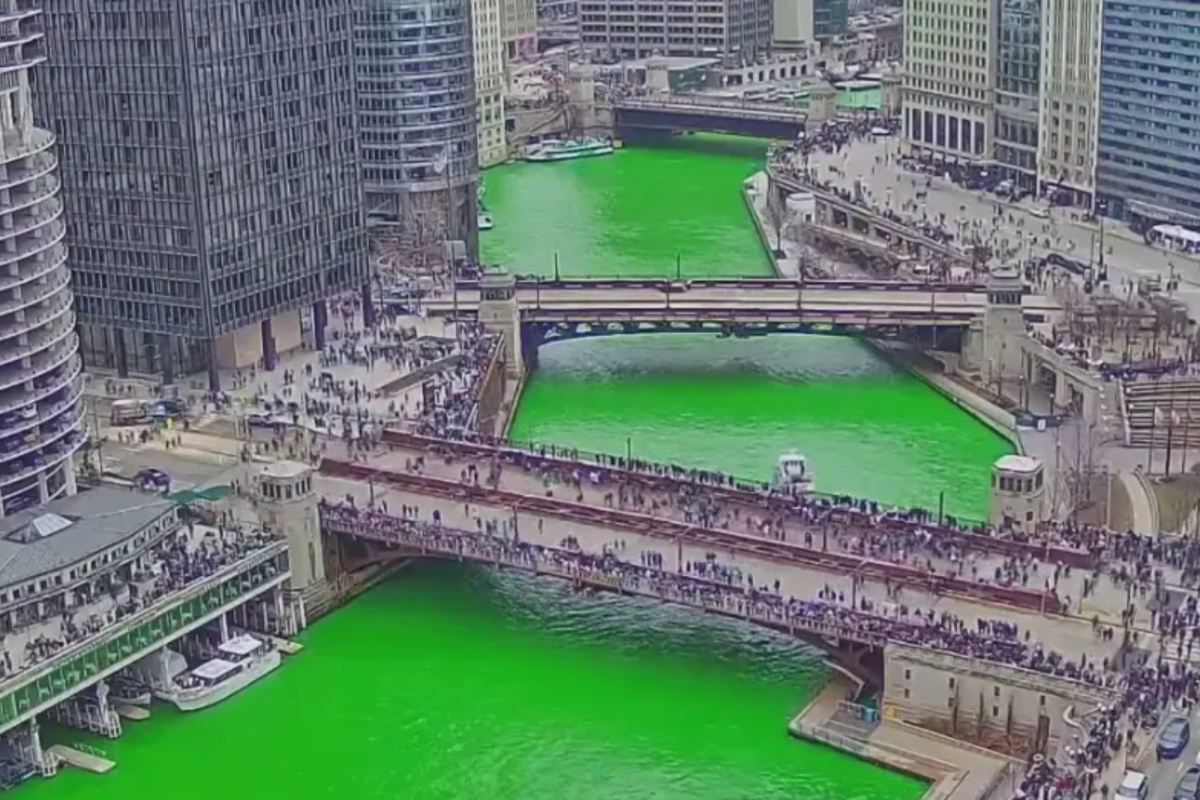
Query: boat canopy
x=242 y=645
x=214 y=670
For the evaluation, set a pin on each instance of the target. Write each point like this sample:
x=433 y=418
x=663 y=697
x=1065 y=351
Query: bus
x=130 y=412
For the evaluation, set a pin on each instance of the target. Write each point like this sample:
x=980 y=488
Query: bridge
x=634 y=116
x=534 y=313
x=486 y=496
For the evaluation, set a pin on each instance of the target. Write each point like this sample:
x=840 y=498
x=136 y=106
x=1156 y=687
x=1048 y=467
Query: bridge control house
x=1018 y=493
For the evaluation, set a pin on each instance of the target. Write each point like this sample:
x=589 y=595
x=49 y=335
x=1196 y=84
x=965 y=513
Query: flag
x=441 y=160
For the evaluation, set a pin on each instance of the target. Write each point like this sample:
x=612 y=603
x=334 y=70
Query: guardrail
x=788 y=553
x=658 y=476
x=149 y=612
x=783 y=284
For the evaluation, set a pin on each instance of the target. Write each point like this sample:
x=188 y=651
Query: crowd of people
x=180 y=560
x=863 y=527
x=715 y=586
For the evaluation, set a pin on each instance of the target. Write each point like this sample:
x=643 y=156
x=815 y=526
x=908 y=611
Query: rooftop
x=67 y=531
x=1018 y=464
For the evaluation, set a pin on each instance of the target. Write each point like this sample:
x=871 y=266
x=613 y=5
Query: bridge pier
x=499 y=313
x=532 y=336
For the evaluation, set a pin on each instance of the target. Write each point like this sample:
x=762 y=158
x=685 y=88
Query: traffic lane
x=1165 y=775
x=1106 y=600
x=1129 y=259
x=186 y=468
x=1066 y=635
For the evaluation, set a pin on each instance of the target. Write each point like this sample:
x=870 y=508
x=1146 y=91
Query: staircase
x=1177 y=401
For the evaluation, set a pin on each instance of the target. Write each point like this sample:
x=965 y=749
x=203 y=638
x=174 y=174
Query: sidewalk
x=956 y=771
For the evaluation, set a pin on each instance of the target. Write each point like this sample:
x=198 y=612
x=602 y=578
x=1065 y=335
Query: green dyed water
x=641 y=211
x=458 y=683
x=867 y=429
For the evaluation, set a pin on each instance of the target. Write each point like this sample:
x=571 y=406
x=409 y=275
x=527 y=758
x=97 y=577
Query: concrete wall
x=987 y=704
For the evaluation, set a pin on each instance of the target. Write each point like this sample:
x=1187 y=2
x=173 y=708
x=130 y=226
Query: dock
x=955 y=770
x=127 y=711
x=83 y=757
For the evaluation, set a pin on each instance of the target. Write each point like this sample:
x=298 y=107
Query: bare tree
x=777 y=218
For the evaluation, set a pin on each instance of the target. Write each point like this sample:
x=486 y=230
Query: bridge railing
x=784 y=284
x=657 y=527
x=621 y=577
x=671 y=478
x=743 y=109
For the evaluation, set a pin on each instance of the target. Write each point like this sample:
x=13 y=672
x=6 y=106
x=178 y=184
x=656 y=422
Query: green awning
x=211 y=493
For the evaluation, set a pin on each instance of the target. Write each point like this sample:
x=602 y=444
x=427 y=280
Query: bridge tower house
x=1003 y=328
x=287 y=506
x=500 y=313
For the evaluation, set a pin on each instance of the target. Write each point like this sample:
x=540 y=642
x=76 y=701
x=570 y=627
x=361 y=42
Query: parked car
x=1188 y=787
x=1174 y=738
x=1134 y=786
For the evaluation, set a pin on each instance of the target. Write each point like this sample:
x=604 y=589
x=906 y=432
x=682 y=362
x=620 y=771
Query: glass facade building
x=831 y=18
x=1018 y=70
x=211 y=175
x=1149 y=137
x=40 y=371
x=416 y=92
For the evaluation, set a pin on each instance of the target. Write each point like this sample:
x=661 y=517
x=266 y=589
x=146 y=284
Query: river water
x=456 y=682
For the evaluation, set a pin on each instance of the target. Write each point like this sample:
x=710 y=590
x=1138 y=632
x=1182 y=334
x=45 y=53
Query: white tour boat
x=242 y=660
x=484 y=220
x=792 y=474
x=569 y=149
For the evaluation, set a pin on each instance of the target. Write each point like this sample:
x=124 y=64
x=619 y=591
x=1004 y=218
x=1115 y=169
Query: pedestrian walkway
x=955 y=770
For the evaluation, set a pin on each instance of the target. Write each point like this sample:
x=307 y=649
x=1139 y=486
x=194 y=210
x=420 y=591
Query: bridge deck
x=662 y=584
x=801 y=571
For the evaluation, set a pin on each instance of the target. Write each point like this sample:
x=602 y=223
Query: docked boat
x=569 y=149
x=241 y=661
x=131 y=692
x=792 y=473
x=484 y=220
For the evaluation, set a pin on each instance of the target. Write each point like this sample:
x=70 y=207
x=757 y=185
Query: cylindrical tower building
x=40 y=370
x=416 y=100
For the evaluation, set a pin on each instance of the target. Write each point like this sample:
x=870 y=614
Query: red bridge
x=781 y=552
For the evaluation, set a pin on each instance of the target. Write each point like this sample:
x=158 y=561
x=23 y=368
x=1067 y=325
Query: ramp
x=93 y=761
x=132 y=712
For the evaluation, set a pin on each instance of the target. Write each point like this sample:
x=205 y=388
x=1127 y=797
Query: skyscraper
x=416 y=94
x=490 y=81
x=1149 y=170
x=40 y=371
x=950 y=51
x=211 y=175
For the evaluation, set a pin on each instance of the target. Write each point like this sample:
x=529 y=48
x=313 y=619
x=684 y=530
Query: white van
x=1134 y=786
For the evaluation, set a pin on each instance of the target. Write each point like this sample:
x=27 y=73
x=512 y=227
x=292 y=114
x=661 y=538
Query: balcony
x=44 y=214
x=39 y=164
x=39 y=340
x=50 y=457
x=40 y=363
x=21 y=399
x=24 y=445
x=22 y=273
x=34 y=192
x=15 y=145
x=36 y=317
x=45 y=410
x=32 y=295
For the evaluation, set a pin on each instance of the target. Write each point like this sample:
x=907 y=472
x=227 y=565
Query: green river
x=459 y=683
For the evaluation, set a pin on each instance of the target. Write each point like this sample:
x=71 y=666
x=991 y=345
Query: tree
x=777 y=218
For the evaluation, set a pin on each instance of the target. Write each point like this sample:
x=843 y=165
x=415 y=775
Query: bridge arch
x=863 y=659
